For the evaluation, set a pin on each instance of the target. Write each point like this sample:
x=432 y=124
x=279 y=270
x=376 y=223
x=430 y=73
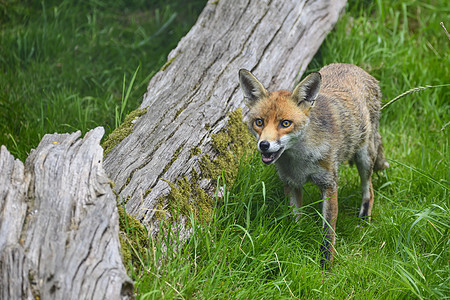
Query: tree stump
x=59 y=223
x=171 y=138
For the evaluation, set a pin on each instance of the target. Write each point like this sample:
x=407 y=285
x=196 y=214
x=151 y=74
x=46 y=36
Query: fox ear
x=305 y=93
x=252 y=88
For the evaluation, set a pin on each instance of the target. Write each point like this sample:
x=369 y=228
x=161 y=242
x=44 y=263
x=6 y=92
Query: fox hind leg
x=364 y=163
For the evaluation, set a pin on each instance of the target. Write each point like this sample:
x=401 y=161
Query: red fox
x=330 y=117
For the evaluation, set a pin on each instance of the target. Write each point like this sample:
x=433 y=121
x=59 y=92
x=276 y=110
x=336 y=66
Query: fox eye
x=259 y=122
x=286 y=123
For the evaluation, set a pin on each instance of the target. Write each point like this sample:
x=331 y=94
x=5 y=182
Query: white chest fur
x=300 y=164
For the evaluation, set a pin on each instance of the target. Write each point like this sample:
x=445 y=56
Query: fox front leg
x=295 y=199
x=330 y=212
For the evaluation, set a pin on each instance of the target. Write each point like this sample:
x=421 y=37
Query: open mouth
x=270 y=157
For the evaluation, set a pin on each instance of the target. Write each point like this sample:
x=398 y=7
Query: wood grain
x=59 y=226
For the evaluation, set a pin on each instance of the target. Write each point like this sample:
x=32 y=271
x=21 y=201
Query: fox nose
x=264 y=145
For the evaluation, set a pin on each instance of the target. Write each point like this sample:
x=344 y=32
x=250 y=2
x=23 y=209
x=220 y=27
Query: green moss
x=169 y=62
x=147 y=191
x=160 y=212
x=230 y=144
x=179 y=112
x=122 y=131
x=187 y=198
x=178 y=197
x=195 y=151
x=174 y=158
x=133 y=238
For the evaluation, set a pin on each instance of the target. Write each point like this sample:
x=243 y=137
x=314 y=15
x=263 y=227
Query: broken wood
x=187 y=102
x=59 y=223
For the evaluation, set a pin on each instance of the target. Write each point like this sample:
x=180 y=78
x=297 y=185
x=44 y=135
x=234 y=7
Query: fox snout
x=264 y=146
x=270 y=151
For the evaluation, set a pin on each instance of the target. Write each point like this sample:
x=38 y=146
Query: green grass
x=64 y=63
x=64 y=67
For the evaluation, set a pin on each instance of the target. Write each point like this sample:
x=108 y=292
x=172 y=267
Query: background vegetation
x=64 y=63
x=64 y=66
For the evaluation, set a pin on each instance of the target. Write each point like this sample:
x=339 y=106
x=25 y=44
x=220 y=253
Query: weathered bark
x=188 y=100
x=59 y=223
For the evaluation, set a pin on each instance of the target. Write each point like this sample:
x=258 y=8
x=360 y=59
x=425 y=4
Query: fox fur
x=330 y=117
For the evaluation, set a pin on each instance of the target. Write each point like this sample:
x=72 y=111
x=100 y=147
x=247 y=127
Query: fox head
x=279 y=118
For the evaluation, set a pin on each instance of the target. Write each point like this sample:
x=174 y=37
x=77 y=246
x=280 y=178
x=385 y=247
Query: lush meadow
x=74 y=65
x=73 y=71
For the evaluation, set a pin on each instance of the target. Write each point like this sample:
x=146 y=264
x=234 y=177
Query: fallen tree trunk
x=163 y=165
x=59 y=223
